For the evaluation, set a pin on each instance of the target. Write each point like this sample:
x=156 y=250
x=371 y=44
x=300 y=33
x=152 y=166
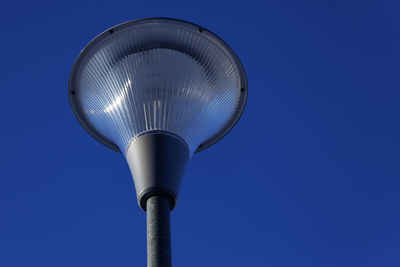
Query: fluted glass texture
x=158 y=77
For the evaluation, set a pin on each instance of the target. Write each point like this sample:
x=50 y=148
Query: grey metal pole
x=158 y=232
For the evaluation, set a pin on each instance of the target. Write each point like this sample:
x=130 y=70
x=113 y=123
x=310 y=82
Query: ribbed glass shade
x=157 y=75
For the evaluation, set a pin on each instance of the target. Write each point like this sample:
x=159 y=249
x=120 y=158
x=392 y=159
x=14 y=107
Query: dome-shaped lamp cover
x=157 y=75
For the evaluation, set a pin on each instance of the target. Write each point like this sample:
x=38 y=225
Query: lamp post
x=157 y=90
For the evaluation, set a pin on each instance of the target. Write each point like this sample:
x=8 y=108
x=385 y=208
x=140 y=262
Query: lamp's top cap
x=129 y=62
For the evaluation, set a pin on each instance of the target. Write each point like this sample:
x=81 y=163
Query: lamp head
x=157 y=90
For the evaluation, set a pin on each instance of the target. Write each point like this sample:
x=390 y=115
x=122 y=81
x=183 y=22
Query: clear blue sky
x=310 y=176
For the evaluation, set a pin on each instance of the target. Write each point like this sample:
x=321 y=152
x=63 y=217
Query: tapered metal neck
x=157 y=162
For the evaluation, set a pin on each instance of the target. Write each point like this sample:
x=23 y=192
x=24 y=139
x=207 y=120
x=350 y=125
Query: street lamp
x=157 y=90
